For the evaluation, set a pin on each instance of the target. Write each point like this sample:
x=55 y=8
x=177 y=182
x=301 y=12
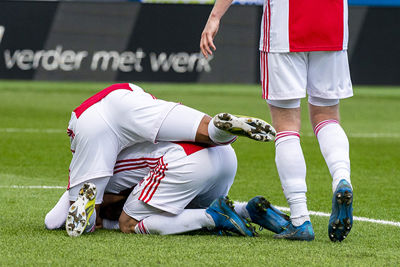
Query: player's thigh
x=181 y=124
x=224 y=166
x=95 y=148
x=329 y=75
x=283 y=75
x=137 y=115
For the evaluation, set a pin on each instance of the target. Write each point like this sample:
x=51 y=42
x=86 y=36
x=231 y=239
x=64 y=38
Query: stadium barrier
x=130 y=41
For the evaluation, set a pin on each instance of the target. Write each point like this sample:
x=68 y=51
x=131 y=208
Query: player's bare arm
x=210 y=30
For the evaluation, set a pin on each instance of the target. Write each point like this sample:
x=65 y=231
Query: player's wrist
x=215 y=17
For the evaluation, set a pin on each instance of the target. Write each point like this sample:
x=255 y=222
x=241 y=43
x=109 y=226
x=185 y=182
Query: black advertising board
x=130 y=41
x=24 y=28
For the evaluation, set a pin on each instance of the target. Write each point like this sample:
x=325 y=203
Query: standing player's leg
x=328 y=81
x=284 y=81
x=291 y=167
x=334 y=147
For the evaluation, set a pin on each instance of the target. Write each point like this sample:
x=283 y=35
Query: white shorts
x=119 y=120
x=190 y=182
x=322 y=74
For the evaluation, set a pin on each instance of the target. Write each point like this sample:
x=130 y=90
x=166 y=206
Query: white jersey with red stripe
x=135 y=162
x=304 y=26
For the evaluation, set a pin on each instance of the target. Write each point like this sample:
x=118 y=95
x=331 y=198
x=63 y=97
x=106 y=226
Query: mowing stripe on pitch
x=316 y=213
x=33 y=187
x=56 y=131
x=31 y=130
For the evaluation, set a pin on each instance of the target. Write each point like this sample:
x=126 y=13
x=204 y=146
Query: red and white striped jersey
x=304 y=25
x=135 y=162
x=147 y=155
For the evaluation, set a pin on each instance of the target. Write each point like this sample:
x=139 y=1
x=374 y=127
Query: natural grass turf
x=42 y=158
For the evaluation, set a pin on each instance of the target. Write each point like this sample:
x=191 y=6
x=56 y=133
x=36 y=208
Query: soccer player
x=174 y=188
x=123 y=115
x=303 y=49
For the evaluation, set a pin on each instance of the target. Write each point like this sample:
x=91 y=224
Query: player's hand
x=206 y=43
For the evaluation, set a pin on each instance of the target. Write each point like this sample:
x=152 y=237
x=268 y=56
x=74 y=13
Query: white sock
x=219 y=136
x=168 y=224
x=291 y=167
x=110 y=225
x=240 y=208
x=334 y=147
x=55 y=219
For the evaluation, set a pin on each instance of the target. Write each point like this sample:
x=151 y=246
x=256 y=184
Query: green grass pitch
x=34 y=150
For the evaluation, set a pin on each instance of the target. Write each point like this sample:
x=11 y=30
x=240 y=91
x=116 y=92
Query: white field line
x=355 y=218
x=52 y=131
x=364 y=135
x=316 y=213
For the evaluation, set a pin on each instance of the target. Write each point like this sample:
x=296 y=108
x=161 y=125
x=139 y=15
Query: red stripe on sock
x=141 y=228
x=322 y=124
x=285 y=134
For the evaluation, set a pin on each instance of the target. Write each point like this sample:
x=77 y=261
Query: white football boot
x=80 y=212
x=250 y=127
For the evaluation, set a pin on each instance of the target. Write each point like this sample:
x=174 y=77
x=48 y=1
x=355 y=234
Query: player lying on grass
x=175 y=185
x=123 y=115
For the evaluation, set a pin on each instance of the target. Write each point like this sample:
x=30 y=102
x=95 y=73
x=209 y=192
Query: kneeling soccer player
x=123 y=115
x=177 y=184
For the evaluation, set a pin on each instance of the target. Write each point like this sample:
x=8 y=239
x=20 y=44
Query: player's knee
x=290 y=103
x=322 y=102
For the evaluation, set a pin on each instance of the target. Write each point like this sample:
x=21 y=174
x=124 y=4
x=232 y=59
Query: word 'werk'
x=126 y=61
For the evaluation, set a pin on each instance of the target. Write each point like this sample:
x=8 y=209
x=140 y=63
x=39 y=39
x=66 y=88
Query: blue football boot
x=225 y=218
x=264 y=214
x=304 y=232
x=341 y=219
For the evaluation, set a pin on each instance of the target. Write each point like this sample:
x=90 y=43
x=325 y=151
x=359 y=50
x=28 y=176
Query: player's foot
x=264 y=214
x=304 y=232
x=341 y=219
x=225 y=217
x=253 y=128
x=80 y=212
